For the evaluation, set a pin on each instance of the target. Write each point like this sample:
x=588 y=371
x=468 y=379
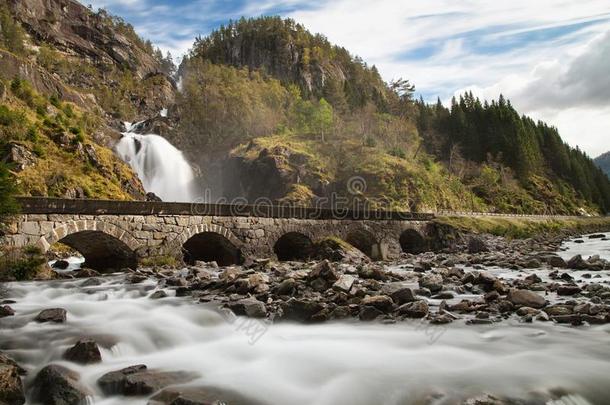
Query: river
x=332 y=363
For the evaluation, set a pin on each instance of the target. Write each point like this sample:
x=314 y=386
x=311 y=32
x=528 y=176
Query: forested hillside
x=302 y=116
x=266 y=109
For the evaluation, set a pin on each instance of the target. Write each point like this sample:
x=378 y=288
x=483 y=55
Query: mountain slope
x=270 y=110
x=67 y=77
x=603 y=161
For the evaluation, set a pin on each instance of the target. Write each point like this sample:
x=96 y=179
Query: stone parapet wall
x=158 y=234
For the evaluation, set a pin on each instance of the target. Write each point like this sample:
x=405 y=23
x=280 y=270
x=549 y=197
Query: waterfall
x=161 y=167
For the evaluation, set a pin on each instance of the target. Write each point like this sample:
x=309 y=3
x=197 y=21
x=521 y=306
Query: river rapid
x=346 y=362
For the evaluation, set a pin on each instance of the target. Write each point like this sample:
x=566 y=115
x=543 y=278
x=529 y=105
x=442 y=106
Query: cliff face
x=98 y=54
x=68 y=77
x=288 y=52
x=603 y=161
x=72 y=28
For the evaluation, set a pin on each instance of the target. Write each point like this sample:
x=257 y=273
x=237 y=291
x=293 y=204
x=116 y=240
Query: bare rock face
x=72 y=27
x=12 y=66
x=18 y=156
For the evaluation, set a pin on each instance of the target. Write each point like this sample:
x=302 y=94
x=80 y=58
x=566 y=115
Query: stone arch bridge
x=116 y=234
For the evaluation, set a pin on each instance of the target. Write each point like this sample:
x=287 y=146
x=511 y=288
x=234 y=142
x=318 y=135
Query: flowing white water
x=332 y=363
x=161 y=167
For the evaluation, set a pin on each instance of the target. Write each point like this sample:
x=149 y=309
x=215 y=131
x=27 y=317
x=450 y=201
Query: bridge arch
x=208 y=242
x=104 y=245
x=365 y=240
x=294 y=245
x=412 y=241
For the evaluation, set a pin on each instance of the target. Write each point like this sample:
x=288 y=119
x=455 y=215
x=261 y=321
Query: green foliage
x=53 y=140
x=495 y=133
x=398 y=152
x=288 y=52
x=158 y=261
x=521 y=228
x=21 y=264
x=8 y=189
x=223 y=106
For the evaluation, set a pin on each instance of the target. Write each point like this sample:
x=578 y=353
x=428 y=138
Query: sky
x=551 y=58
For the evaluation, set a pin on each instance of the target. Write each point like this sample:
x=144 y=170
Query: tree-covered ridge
x=603 y=162
x=287 y=51
x=495 y=132
x=270 y=82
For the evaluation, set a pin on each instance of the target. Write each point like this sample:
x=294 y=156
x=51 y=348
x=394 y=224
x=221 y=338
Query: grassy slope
x=37 y=123
x=522 y=227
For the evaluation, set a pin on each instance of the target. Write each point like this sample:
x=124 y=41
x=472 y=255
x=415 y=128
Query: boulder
x=417 y=309
x=577 y=263
x=433 y=282
x=477 y=245
x=138 y=380
x=556 y=261
x=18 y=156
x=286 y=287
x=301 y=310
x=199 y=396
x=58 y=385
x=11 y=388
x=324 y=271
x=55 y=315
x=86 y=272
x=158 y=295
x=555 y=310
x=5 y=310
x=249 y=307
x=153 y=197
x=381 y=302
x=61 y=264
x=85 y=351
x=399 y=293
x=526 y=298
x=344 y=283
x=568 y=289
x=369 y=313
x=372 y=271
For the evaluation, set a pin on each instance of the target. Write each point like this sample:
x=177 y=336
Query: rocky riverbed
x=492 y=322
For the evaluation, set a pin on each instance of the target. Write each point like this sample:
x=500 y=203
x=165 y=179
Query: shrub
x=370 y=142
x=8 y=188
x=21 y=264
x=39 y=150
x=156 y=261
x=398 y=152
x=54 y=100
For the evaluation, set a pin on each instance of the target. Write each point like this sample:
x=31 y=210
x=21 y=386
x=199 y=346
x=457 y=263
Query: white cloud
x=570 y=91
x=488 y=46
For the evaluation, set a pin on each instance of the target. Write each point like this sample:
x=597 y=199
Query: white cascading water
x=354 y=363
x=161 y=167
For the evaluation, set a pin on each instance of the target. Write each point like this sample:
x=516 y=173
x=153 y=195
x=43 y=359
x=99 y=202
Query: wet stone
x=85 y=351
x=54 y=315
x=58 y=385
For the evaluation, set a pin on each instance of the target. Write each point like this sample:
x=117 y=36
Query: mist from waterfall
x=161 y=167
